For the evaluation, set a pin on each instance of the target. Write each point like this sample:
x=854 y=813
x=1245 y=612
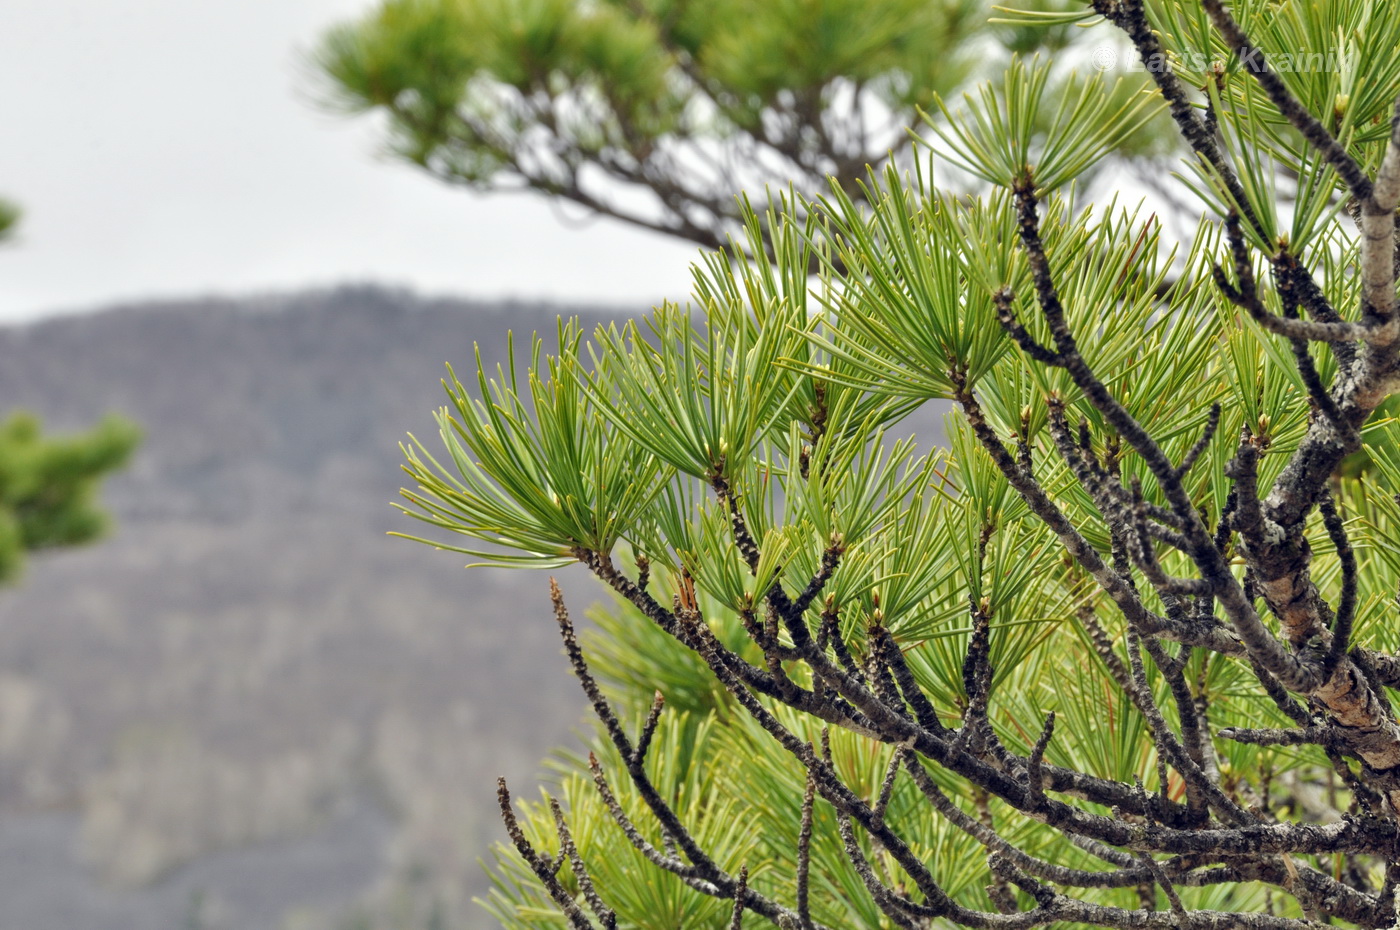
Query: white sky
x=166 y=148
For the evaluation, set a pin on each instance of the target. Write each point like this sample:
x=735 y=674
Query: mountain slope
x=250 y=650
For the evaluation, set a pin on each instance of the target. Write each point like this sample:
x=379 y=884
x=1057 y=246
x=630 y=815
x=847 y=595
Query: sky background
x=171 y=148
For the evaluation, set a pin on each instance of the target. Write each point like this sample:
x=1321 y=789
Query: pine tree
x=48 y=486
x=1121 y=655
x=660 y=113
x=9 y=216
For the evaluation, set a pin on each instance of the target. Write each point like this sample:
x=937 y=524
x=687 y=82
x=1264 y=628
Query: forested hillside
x=250 y=657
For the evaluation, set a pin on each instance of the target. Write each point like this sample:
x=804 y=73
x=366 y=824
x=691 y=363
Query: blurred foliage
x=48 y=485
x=661 y=112
x=9 y=217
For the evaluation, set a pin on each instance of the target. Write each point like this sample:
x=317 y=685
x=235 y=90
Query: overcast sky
x=165 y=148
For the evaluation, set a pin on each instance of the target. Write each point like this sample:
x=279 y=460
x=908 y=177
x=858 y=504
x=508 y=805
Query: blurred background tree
x=48 y=486
x=660 y=113
x=9 y=216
